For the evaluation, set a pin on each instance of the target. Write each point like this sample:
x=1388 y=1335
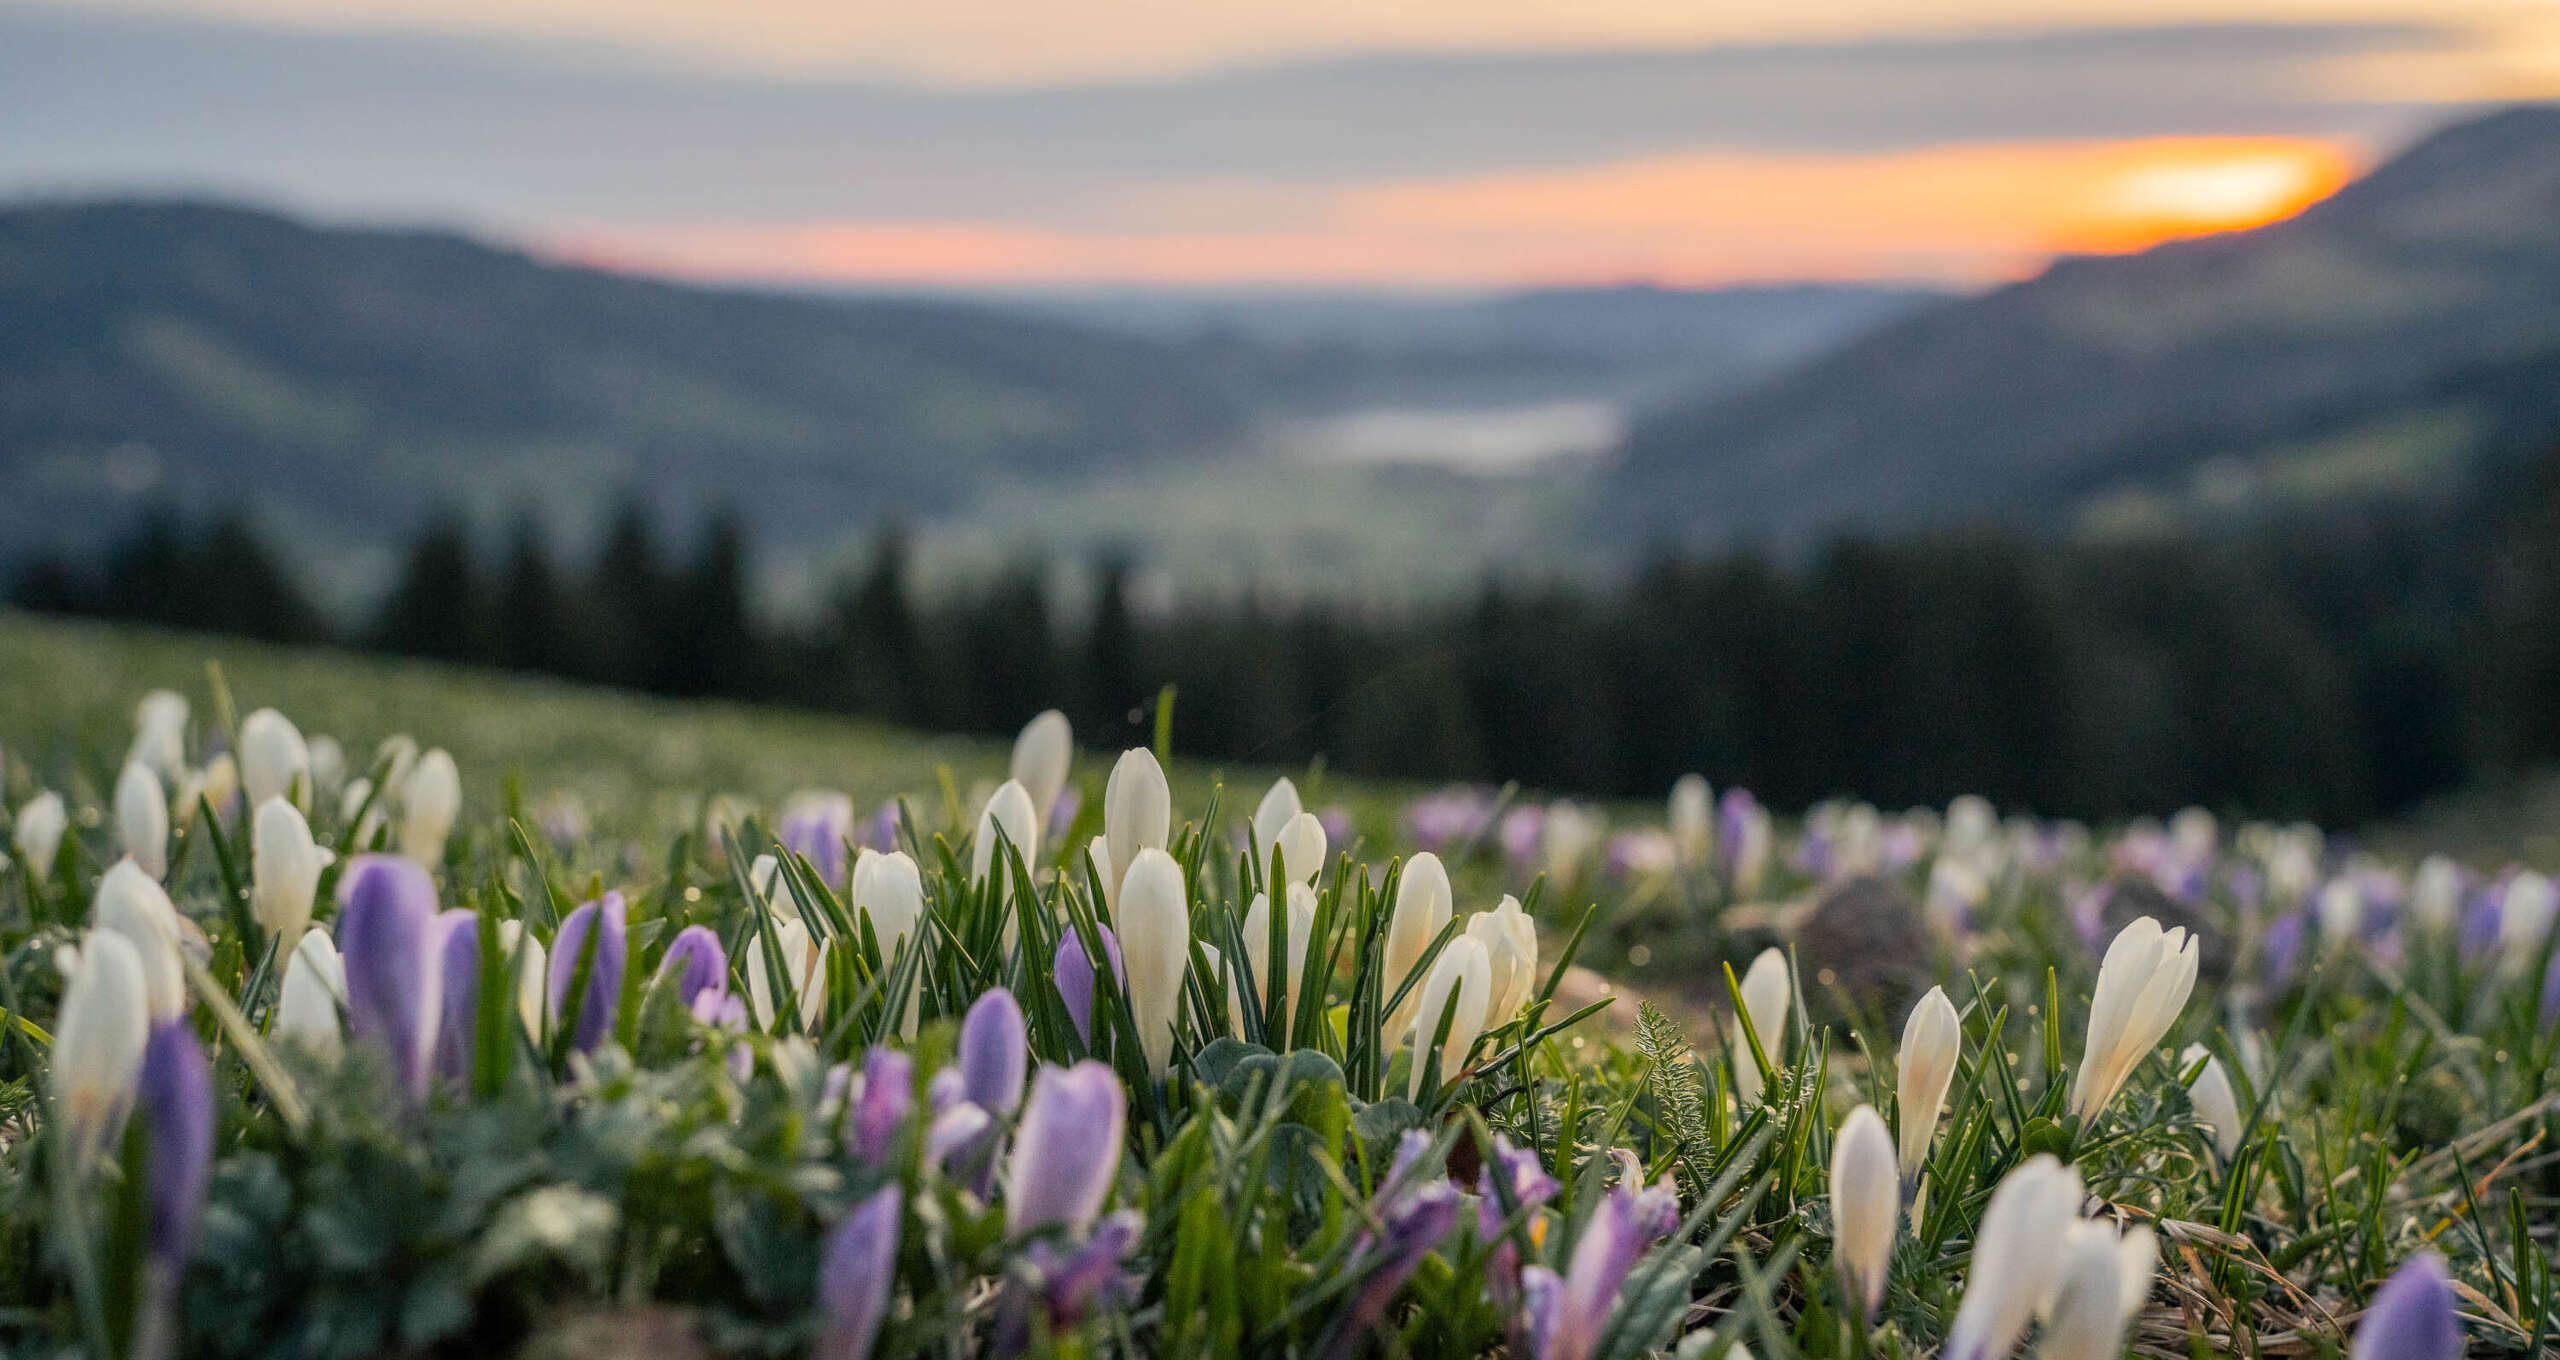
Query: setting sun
x=2165 y=189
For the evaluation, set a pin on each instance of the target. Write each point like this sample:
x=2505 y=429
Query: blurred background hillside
x=2103 y=412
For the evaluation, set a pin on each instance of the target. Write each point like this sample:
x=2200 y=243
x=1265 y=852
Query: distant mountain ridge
x=2379 y=339
x=341 y=381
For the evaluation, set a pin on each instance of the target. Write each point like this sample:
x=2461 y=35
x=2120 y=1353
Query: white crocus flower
x=1011 y=808
x=2211 y=1094
x=1510 y=941
x=272 y=757
x=284 y=871
x=2524 y=919
x=2142 y=986
x=160 y=735
x=1866 y=1207
x=98 y=1038
x=134 y=905
x=2341 y=905
x=1041 y=757
x=888 y=888
x=1297 y=931
x=430 y=799
x=1137 y=811
x=1302 y=847
x=142 y=818
x=315 y=990
x=1751 y=857
x=2016 y=1258
x=1932 y=1042
x=1424 y=904
x=531 y=964
x=1692 y=819
x=2435 y=896
x=1461 y=970
x=1768 y=990
x=804 y=966
x=1155 y=947
x=328 y=766
x=1279 y=804
x=37 y=833
x=2099 y=1285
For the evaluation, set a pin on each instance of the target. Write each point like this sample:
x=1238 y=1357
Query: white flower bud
x=1692 y=819
x=284 y=871
x=1932 y=1043
x=1866 y=1207
x=133 y=904
x=2211 y=1094
x=1424 y=904
x=2142 y=986
x=1137 y=810
x=315 y=991
x=272 y=757
x=1013 y=809
x=2016 y=1258
x=142 y=818
x=1510 y=941
x=1768 y=991
x=38 y=831
x=1155 y=947
x=1041 y=758
x=98 y=1038
x=1298 y=929
x=430 y=799
x=1463 y=970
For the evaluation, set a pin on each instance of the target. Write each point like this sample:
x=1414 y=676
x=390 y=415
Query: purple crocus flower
x=2482 y=918
x=1523 y=830
x=1518 y=1171
x=1733 y=818
x=855 y=1279
x=387 y=940
x=2412 y=1316
x=604 y=976
x=815 y=827
x=1066 y=1286
x=1074 y=974
x=1415 y=1222
x=2551 y=991
x=2283 y=947
x=1567 y=1313
x=881 y=832
x=1067 y=1151
x=697 y=963
x=881 y=1106
x=1437 y=820
x=458 y=959
x=995 y=1052
x=176 y=1098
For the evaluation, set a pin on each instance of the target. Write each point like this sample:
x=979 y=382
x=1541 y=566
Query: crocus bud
x=888 y=889
x=1768 y=990
x=804 y=963
x=284 y=871
x=1692 y=819
x=1866 y=1208
x=1009 y=809
x=1932 y=1041
x=272 y=756
x=176 y=1090
x=2099 y=1284
x=2211 y=1094
x=37 y=833
x=1155 y=933
x=2412 y=1317
x=1462 y=971
x=458 y=985
x=142 y=818
x=1510 y=941
x=1278 y=805
x=315 y=990
x=1297 y=930
x=605 y=919
x=1067 y=1152
x=133 y=904
x=995 y=1052
x=1074 y=975
x=98 y=1041
x=429 y=801
x=856 y=1276
x=697 y=963
x=1137 y=810
x=1424 y=905
x=2016 y=1258
x=2142 y=986
x=387 y=930
x=2341 y=904
x=1041 y=756
x=160 y=734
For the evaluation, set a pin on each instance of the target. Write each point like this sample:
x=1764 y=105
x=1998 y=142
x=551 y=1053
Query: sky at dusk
x=1332 y=143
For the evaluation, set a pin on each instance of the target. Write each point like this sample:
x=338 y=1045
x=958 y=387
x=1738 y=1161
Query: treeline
x=2337 y=665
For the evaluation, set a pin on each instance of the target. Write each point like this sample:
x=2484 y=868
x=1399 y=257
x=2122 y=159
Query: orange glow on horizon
x=1976 y=213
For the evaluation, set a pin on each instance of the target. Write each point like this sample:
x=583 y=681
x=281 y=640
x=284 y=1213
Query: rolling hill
x=2380 y=342
x=344 y=381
